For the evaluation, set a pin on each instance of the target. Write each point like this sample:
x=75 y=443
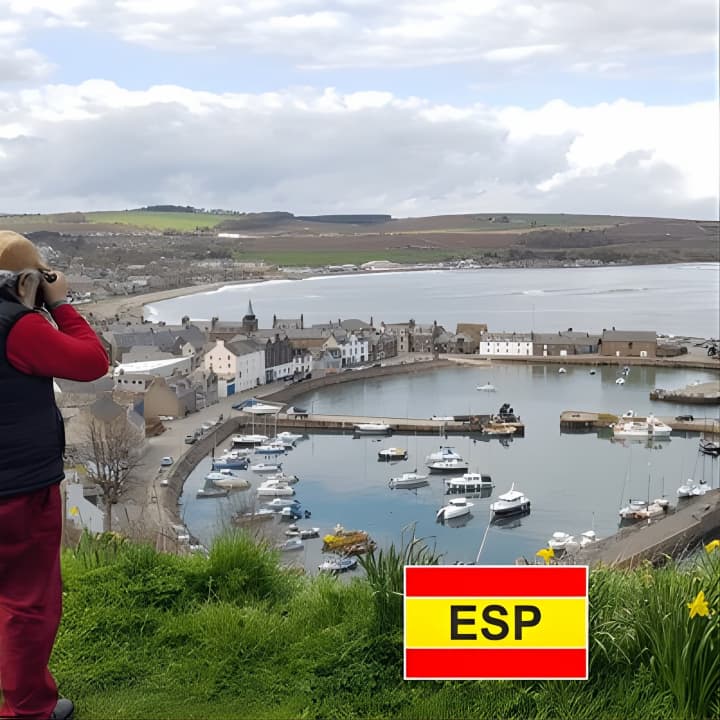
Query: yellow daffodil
x=546 y=554
x=712 y=545
x=699 y=605
x=74 y=510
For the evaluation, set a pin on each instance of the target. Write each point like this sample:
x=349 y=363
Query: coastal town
x=174 y=384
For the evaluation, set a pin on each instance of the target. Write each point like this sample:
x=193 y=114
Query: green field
x=186 y=222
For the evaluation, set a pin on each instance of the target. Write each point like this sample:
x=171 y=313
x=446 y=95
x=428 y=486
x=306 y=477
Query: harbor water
x=576 y=482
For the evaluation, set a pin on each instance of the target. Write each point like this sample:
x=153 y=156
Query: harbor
x=342 y=478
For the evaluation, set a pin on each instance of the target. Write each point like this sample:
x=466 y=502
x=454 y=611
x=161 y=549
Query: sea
x=576 y=482
x=672 y=299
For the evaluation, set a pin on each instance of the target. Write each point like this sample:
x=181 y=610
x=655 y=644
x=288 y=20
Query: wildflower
x=712 y=545
x=699 y=605
x=74 y=511
x=546 y=554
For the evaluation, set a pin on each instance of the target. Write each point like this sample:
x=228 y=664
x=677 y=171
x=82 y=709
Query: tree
x=110 y=452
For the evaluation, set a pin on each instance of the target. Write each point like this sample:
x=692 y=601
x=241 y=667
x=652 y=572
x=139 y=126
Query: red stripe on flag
x=495 y=664
x=530 y=581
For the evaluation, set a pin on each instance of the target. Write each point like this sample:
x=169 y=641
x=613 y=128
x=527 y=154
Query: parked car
x=206 y=426
x=166 y=461
x=190 y=439
x=686 y=418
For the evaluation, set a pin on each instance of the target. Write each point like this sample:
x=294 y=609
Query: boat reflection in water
x=458 y=522
x=509 y=521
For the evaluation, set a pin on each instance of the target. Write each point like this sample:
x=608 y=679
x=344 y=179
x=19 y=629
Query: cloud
x=580 y=34
x=97 y=145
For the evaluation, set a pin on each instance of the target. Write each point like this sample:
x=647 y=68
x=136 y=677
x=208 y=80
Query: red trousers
x=30 y=601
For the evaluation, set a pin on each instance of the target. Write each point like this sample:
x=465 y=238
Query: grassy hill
x=234 y=635
x=280 y=238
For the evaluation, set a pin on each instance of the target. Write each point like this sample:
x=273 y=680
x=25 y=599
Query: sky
x=409 y=107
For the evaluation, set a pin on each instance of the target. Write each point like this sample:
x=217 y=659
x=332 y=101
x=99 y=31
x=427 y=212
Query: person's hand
x=56 y=290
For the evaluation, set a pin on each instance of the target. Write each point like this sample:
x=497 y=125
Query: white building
x=302 y=364
x=137 y=376
x=507 y=344
x=355 y=350
x=239 y=365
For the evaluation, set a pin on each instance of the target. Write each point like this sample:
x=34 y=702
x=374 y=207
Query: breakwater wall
x=697 y=520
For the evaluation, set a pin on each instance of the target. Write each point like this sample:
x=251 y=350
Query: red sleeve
x=73 y=351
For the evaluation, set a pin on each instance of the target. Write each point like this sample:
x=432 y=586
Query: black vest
x=32 y=434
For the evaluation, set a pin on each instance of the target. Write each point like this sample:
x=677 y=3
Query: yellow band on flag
x=495 y=622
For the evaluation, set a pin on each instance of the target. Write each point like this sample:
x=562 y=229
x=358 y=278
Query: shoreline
x=133 y=305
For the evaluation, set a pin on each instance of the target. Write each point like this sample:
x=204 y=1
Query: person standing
x=34 y=350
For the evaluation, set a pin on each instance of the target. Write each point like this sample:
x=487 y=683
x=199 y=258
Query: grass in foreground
x=147 y=635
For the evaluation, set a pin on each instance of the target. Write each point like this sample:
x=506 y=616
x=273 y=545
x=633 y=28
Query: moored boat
x=446 y=452
x=275 y=488
x=453 y=465
x=511 y=502
x=408 y=481
x=469 y=482
x=392 y=453
x=338 y=565
x=562 y=541
x=692 y=489
x=372 y=428
x=290 y=544
x=454 y=508
x=347 y=541
x=487 y=387
x=302 y=533
x=227 y=481
x=651 y=428
x=266 y=467
x=241 y=441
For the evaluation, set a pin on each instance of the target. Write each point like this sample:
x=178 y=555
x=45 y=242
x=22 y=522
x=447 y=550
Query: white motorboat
x=227 y=481
x=266 y=467
x=562 y=371
x=629 y=512
x=288 y=437
x=278 y=503
x=487 y=387
x=240 y=441
x=372 y=428
x=302 y=533
x=588 y=538
x=469 y=482
x=657 y=508
x=455 y=508
x=562 y=541
x=509 y=503
x=592 y=372
x=338 y=565
x=211 y=492
x=291 y=544
x=692 y=489
x=290 y=512
x=408 y=481
x=231 y=460
x=283 y=477
x=273 y=488
x=392 y=453
x=444 y=453
x=620 y=381
x=651 y=428
x=271 y=448
x=454 y=465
